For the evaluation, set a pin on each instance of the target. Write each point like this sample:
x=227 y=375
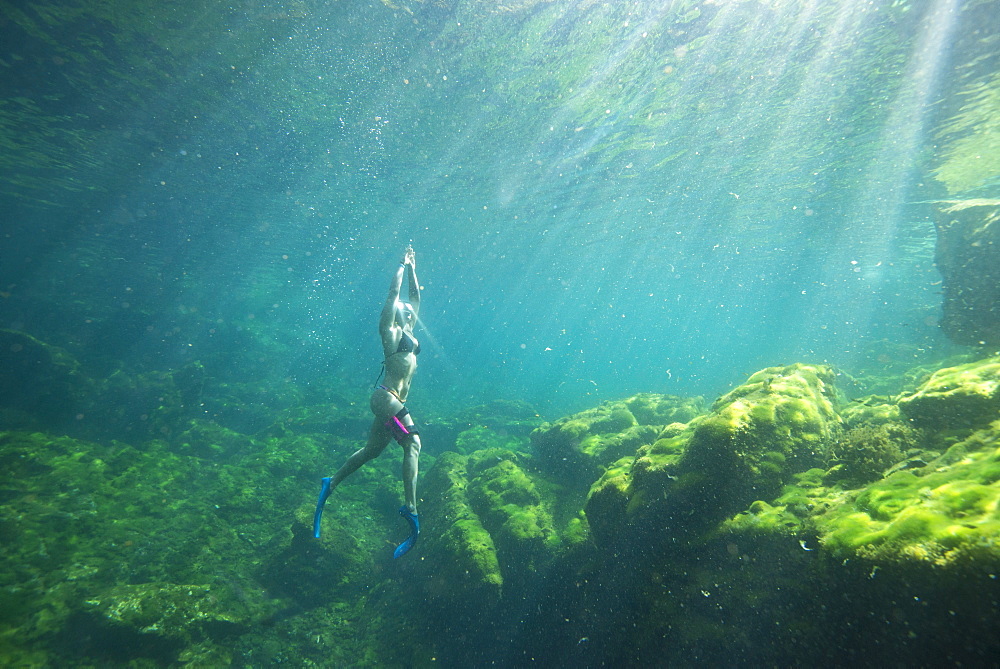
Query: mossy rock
x=788 y=515
x=601 y=447
x=78 y=519
x=577 y=448
x=172 y=611
x=672 y=430
x=512 y=509
x=779 y=422
x=873 y=409
x=962 y=397
x=500 y=485
x=209 y=440
x=607 y=502
x=627 y=497
x=863 y=453
x=763 y=520
x=475 y=572
x=489 y=518
x=941 y=513
x=481 y=437
x=657 y=410
x=754 y=441
x=461 y=563
x=785 y=410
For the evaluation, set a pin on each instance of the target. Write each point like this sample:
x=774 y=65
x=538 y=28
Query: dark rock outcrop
x=968 y=257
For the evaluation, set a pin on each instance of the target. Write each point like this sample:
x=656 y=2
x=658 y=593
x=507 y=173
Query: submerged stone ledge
x=198 y=548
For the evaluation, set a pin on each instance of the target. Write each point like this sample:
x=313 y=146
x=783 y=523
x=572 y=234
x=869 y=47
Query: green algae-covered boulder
x=655 y=409
x=461 y=564
x=938 y=511
x=577 y=446
x=631 y=497
x=171 y=611
x=869 y=410
x=941 y=513
x=779 y=422
x=790 y=514
x=864 y=452
x=581 y=445
x=961 y=397
x=512 y=509
x=209 y=440
x=755 y=439
x=758 y=435
x=607 y=502
x=80 y=518
x=488 y=519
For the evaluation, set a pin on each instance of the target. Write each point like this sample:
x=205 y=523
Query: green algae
x=864 y=452
x=778 y=422
x=964 y=396
x=655 y=409
x=481 y=437
x=129 y=532
x=188 y=545
x=607 y=502
x=756 y=438
x=578 y=447
x=96 y=516
x=872 y=409
x=456 y=540
x=512 y=510
x=181 y=611
x=941 y=513
x=898 y=517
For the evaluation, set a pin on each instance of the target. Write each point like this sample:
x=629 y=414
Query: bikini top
x=408 y=344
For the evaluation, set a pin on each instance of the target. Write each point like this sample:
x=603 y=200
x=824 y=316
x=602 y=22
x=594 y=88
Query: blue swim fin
x=324 y=492
x=414 y=521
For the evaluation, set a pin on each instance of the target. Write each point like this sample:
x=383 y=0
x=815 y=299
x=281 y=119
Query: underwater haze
x=622 y=212
x=604 y=197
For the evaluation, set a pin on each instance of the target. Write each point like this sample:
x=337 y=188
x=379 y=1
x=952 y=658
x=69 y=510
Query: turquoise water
x=604 y=198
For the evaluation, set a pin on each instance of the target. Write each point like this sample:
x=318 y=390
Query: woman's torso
x=400 y=362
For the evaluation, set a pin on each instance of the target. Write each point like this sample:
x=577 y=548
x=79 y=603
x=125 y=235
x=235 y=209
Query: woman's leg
x=378 y=439
x=411 y=458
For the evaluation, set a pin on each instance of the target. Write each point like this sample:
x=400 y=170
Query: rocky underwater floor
x=782 y=524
